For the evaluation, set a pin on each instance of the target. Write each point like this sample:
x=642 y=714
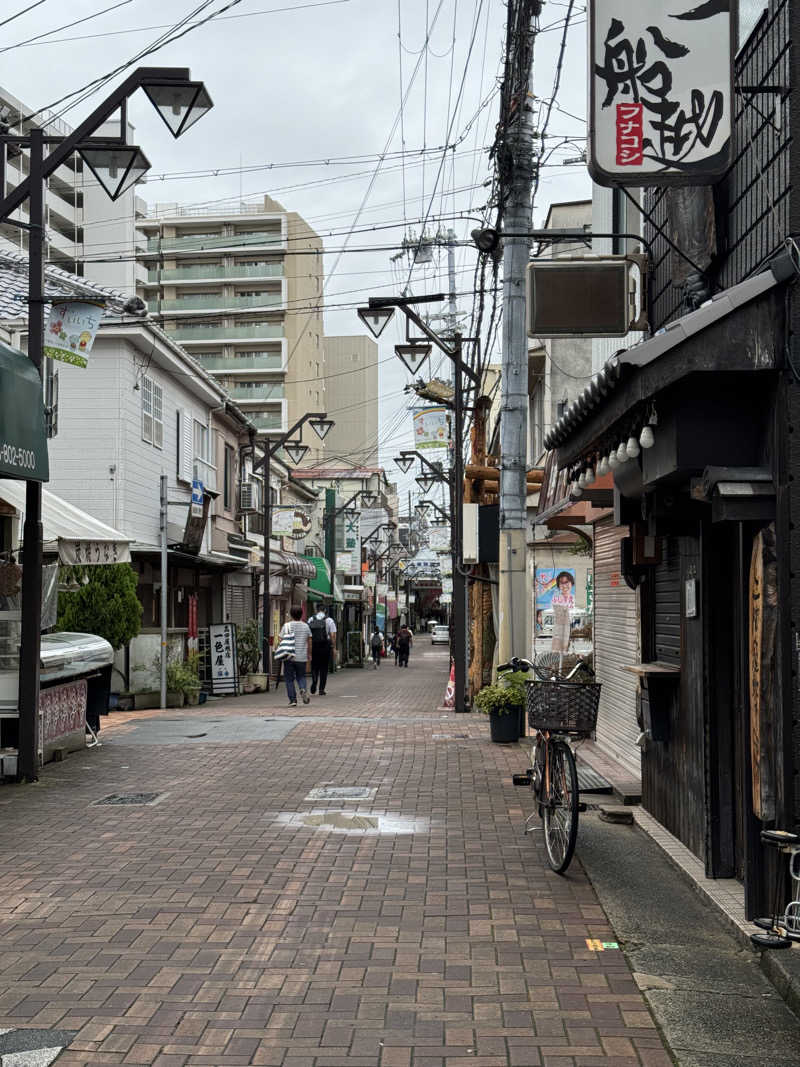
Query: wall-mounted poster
x=555 y=586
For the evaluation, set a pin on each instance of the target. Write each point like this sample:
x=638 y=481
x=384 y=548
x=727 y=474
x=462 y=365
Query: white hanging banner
x=661 y=91
x=71 y=330
x=430 y=428
x=439 y=538
x=368 y=579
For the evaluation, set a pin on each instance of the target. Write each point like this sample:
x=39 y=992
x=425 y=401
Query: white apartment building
x=63 y=195
x=241 y=290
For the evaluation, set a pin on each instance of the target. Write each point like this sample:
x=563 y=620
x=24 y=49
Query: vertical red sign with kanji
x=629 y=135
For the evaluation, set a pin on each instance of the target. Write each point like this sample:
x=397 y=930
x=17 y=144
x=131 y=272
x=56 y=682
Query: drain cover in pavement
x=450 y=737
x=341 y=792
x=141 y=799
x=32 y=1048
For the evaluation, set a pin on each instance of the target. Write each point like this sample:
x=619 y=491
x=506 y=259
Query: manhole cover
x=341 y=792
x=130 y=799
x=450 y=737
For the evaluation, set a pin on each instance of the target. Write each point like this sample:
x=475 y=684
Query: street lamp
x=116 y=165
x=271 y=448
x=405 y=463
x=321 y=427
x=453 y=351
x=375 y=319
x=413 y=356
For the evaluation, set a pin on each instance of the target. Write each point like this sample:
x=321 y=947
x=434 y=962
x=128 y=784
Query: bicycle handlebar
x=516 y=663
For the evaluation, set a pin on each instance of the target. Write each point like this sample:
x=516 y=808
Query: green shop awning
x=23 y=438
x=320 y=586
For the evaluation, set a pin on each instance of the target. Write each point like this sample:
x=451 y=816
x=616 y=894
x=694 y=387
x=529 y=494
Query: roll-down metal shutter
x=616 y=645
x=239 y=607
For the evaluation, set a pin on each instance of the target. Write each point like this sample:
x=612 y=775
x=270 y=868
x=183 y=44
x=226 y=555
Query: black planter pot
x=504 y=728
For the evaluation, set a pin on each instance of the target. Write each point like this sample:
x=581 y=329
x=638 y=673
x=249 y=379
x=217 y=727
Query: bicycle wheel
x=560 y=814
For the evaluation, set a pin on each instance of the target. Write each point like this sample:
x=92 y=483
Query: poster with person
x=555 y=592
x=554 y=586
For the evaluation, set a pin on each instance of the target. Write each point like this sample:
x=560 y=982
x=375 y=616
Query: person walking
x=403 y=643
x=295 y=669
x=376 y=647
x=323 y=646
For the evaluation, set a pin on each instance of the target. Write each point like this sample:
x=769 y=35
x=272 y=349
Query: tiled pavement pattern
x=217 y=928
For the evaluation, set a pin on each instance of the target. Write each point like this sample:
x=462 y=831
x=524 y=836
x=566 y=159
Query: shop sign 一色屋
x=660 y=93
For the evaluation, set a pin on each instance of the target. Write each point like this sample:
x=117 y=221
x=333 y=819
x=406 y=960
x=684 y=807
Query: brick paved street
x=235 y=922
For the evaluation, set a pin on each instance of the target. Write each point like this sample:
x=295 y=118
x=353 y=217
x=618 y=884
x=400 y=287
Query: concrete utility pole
x=514 y=593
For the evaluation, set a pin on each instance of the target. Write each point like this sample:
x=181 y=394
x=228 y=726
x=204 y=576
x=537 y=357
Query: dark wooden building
x=709 y=506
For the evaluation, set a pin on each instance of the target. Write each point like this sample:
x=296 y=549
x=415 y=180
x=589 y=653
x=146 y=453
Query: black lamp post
x=376 y=316
x=117 y=166
x=296 y=451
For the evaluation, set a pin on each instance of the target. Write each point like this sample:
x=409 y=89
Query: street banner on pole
x=439 y=538
x=430 y=428
x=71 y=330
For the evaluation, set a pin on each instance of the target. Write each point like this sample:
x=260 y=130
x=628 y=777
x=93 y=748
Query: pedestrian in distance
x=323 y=646
x=403 y=643
x=376 y=647
x=295 y=669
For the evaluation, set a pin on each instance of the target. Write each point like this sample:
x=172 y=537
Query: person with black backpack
x=376 y=647
x=323 y=635
x=403 y=642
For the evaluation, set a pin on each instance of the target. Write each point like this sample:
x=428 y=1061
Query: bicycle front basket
x=563 y=707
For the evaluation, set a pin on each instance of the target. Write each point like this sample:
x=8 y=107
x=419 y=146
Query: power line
x=166 y=25
x=75 y=22
x=24 y=11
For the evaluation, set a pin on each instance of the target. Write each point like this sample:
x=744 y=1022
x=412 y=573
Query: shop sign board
x=291 y=522
x=660 y=91
x=224 y=673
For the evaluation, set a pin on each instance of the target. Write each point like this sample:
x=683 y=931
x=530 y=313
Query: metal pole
x=30 y=639
x=459 y=581
x=164 y=599
x=513 y=593
x=266 y=605
x=452 y=309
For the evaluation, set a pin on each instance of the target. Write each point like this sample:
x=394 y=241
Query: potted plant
x=504 y=703
x=192 y=682
x=248 y=651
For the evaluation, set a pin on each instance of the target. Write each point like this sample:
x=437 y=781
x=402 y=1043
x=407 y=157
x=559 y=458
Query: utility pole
x=513 y=591
x=164 y=600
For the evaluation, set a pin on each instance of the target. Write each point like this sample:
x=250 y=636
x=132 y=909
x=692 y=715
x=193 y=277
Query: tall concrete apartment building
x=241 y=290
x=351 y=394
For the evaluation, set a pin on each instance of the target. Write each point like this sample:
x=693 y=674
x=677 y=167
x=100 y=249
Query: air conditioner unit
x=248 y=497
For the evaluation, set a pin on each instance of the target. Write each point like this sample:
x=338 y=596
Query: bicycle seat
x=780 y=838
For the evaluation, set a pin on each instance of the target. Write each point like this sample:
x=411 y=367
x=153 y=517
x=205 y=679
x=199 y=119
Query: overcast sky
x=303 y=80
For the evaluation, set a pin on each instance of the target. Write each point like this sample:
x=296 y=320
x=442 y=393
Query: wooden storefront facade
x=710 y=514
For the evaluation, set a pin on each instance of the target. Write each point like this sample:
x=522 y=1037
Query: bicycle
x=560 y=709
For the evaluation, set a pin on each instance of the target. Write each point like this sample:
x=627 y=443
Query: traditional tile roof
x=57 y=282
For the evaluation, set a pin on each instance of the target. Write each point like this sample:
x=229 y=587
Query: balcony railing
x=226 y=333
x=267 y=420
x=199 y=242
x=250 y=361
x=209 y=302
x=213 y=272
x=259 y=391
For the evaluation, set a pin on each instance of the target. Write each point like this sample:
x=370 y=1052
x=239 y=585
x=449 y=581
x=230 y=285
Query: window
x=152 y=413
x=202 y=449
x=229 y=475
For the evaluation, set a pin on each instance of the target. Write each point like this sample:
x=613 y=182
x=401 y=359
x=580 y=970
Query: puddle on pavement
x=353 y=823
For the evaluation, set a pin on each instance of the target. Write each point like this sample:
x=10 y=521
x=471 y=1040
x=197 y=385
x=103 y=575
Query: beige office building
x=242 y=291
x=351 y=394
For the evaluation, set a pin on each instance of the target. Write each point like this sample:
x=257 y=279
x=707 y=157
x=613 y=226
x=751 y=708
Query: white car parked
x=440 y=635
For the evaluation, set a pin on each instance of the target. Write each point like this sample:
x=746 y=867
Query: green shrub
x=105 y=603
x=248 y=647
x=504 y=696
